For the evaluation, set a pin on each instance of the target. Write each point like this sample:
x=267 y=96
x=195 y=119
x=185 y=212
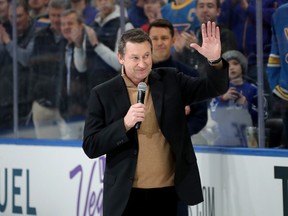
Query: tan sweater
x=155 y=163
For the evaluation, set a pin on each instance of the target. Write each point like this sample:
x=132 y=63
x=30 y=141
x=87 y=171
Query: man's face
x=162 y=43
x=4 y=9
x=137 y=61
x=55 y=18
x=235 y=69
x=70 y=25
x=22 y=18
x=206 y=10
x=105 y=7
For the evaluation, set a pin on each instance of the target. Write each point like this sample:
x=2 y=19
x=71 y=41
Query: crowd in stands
x=64 y=48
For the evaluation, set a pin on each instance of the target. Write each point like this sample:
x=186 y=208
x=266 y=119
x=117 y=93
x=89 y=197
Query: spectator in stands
x=38 y=8
x=206 y=10
x=25 y=34
x=240 y=17
x=97 y=49
x=103 y=63
x=152 y=10
x=38 y=12
x=136 y=13
x=60 y=90
x=83 y=7
x=277 y=68
x=237 y=109
x=161 y=33
x=46 y=74
x=4 y=21
x=4 y=6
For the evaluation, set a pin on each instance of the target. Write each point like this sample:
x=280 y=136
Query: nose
x=142 y=63
x=205 y=8
x=160 y=42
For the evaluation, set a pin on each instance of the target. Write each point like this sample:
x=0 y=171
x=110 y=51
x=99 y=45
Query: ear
x=120 y=59
x=174 y=38
x=218 y=12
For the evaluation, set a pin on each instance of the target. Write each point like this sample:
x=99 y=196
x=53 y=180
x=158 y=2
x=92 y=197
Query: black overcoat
x=104 y=131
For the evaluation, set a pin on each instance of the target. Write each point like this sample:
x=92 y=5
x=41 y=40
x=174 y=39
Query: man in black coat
x=155 y=162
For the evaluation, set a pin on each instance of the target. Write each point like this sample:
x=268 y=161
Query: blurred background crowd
x=52 y=52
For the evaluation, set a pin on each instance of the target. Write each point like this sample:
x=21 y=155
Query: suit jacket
x=105 y=133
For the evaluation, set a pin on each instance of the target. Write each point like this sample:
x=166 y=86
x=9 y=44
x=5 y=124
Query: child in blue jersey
x=237 y=108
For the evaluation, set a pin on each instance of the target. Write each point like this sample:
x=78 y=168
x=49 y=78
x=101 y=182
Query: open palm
x=211 y=45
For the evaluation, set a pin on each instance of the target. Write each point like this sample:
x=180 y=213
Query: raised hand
x=211 y=45
x=4 y=36
x=184 y=39
x=92 y=36
x=76 y=35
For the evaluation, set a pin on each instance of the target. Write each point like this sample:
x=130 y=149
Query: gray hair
x=135 y=35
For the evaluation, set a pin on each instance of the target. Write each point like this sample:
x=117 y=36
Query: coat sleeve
x=100 y=136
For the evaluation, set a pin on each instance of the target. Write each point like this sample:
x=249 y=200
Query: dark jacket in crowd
x=7 y=79
x=49 y=76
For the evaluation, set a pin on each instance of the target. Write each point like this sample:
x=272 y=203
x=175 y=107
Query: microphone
x=140 y=98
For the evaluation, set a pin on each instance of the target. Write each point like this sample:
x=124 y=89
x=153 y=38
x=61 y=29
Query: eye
x=146 y=56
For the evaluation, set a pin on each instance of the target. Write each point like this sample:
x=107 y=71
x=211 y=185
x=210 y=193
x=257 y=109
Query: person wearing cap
x=237 y=108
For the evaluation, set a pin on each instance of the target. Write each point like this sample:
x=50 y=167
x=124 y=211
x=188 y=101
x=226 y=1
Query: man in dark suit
x=149 y=169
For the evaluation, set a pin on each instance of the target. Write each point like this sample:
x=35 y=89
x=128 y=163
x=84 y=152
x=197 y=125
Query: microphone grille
x=142 y=86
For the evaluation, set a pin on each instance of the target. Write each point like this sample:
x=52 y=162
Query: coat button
x=119 y=142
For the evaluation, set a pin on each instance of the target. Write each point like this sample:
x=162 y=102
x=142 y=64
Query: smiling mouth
x=160 y=49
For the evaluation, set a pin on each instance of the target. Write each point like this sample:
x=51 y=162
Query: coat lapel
x=157 y=92
x=120 y=95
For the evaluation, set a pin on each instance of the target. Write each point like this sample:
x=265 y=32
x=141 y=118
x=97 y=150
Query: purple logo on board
x=94 y=198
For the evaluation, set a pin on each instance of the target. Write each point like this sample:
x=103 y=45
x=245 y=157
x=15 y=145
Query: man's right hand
x=136 y=113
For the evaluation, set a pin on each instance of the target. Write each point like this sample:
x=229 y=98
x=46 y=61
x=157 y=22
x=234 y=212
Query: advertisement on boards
x=62 y=181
